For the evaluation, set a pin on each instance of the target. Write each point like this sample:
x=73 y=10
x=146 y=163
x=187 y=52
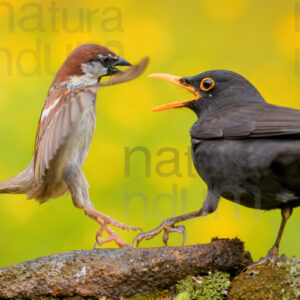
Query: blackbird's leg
x=78 y=187
x=210 y=205
x=272 y=256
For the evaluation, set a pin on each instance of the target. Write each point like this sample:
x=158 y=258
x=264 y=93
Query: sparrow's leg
x=272 y=256
x=109 y=220
x=78 y=188
x=210 y=205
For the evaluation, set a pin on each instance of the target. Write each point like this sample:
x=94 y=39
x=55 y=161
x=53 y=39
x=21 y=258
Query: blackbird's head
x=212 y=90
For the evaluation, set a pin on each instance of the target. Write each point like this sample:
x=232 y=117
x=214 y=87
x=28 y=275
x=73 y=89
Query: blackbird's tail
x=21 y=183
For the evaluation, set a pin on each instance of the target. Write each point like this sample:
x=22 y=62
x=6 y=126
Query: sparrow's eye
x=206 y=84
x=106 y=60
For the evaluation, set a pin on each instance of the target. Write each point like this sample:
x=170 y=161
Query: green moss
x=183 y=296
x=279 y=282
x=157 y=295
x=212 y=286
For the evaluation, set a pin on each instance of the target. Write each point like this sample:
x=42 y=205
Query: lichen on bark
x=214 y=285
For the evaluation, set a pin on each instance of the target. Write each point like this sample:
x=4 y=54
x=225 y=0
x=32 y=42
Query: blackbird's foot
x=271 y=258
x=167 y=226
x=104 y=221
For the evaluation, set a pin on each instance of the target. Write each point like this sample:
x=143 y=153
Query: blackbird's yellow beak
x=176 y=80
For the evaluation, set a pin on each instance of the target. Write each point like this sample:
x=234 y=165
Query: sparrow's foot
x=167 y=226
x=104 y=221
x=271 y=258
x=112 y=236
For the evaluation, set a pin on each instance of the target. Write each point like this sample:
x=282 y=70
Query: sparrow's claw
x=102 y=228
x=112 y=237
x=104 y=221
x=167 y=226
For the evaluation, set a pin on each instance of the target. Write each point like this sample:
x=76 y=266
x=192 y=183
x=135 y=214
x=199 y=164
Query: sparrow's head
x=212 y=89
x=87 y=64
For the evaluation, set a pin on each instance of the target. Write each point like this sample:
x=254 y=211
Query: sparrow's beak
x=180 y=82
x=122 y=62
x=112 y=70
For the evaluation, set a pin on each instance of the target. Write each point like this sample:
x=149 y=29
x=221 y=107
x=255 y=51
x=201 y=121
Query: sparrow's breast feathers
x=62 y=109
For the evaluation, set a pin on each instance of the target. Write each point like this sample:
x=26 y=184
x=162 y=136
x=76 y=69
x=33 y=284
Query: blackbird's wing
x=57 y=118
x=63 y=108
x=253 y=120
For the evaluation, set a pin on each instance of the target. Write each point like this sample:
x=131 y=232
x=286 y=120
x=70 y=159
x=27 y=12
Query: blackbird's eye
x=206 y=84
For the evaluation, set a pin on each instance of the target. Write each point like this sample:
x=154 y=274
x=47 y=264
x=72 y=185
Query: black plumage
x=246 y=150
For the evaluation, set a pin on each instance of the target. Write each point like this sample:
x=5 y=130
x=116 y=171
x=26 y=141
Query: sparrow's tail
x=20 y=184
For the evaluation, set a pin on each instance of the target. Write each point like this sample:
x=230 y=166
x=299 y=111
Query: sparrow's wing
x=62 y=109
x=253 y=120
x=56 y=122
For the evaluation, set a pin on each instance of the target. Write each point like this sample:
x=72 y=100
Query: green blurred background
x=258 y=39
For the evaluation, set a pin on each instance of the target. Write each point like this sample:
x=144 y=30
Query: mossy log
x=117 y=273
x=279 y=282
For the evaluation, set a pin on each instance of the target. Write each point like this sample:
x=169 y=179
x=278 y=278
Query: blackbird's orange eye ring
x=207 y=84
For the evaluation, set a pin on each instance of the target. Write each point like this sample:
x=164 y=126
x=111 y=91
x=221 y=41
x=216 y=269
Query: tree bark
x=116 y=273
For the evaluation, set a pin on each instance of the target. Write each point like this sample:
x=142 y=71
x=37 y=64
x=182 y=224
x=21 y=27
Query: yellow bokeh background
x=258 y=39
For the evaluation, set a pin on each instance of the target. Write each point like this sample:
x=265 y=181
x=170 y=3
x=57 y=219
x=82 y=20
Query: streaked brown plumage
x=65 y=130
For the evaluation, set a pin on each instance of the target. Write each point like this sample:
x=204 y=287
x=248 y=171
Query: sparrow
x=245 y=149
x=65 y=131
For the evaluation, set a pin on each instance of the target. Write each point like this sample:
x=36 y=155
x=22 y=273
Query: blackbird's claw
x=167 y=226
x=145 y=236
x=271 y=258
x=179 y=229
x=264 y=261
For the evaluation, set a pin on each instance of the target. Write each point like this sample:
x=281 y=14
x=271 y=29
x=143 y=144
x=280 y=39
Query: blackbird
x=66 y=129
x=245 y=150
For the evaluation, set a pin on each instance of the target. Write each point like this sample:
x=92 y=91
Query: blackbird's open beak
x=178 y=81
